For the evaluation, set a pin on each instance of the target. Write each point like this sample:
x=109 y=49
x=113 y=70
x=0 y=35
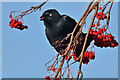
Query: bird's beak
x=41 y=18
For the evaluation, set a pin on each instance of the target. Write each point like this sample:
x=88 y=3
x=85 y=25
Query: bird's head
x=50 y=16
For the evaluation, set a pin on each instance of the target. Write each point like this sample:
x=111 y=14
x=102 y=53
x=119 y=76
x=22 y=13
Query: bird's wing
x=70 y=24
x=69 y=21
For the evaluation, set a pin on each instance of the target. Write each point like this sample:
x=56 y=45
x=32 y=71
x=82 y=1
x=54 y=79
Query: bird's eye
x=50 y=15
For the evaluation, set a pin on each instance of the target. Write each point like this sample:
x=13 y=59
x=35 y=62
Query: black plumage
x=57 y=28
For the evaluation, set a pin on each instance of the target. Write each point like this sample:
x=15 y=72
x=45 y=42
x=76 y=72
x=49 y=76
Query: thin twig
x=108 y=18
x=52 y=59
x=106 y=5
x=71 y=39
x=79 y=71
x=32 y=9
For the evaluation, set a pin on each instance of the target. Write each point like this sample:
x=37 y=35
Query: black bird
x=58 y=26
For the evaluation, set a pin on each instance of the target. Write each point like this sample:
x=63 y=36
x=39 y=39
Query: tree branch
x=79 y=71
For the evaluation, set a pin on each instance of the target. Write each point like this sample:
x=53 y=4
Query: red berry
x=19 y=23
x=74 y=57
x=10 y=16
x=112 y=45
x=100 y=37
x=109 y=35
x=104 y=29
x=116 y=44
x=12 y=26
x=100 y=13
x=53 y=69
x=93 y=25
x=102 y=18
x=57 y=79
x=100 y=8
x=98 y=24
x=87 y=55
x=96 y=16
x=98 y=32
x=91 y=52
x=101 y=32
x=100 y=29
x=110 y=39
x=107 y=39
x=9 y=24
x=86 y=63
x=12 y=20
x=103 y=36
x=16 y=24
x=92 y=56
x=26 y=27
x=18 y=27
x=66 y=57
x=73 y=54
x=104 y=40
x=105 y=17
x=22 y=27
x=85 y=60
x=91 y=30
x=95 y=33
x=47 y=77
x=99 y=17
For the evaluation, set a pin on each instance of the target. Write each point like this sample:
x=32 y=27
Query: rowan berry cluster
x=86 y=57
x=16 y=24
x=101 y=16
x=102 y=38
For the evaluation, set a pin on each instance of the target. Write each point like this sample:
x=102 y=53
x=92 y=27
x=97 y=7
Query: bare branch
x=96 y=8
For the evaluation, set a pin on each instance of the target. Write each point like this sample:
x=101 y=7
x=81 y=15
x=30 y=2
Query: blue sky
x=25 y=52
x=1 y=41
